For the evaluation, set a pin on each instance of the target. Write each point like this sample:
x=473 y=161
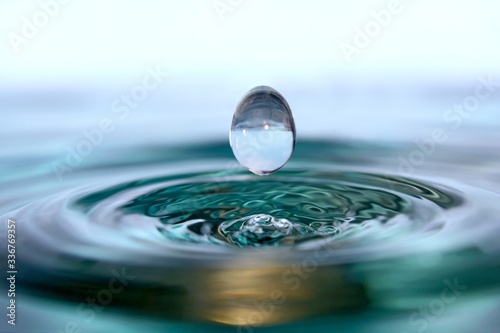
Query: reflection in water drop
x=263 y=131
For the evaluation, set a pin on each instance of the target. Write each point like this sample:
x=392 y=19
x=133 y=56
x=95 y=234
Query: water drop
x=263 y=131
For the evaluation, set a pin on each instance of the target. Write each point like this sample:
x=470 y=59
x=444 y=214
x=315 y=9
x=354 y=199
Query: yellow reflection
x=273 y=294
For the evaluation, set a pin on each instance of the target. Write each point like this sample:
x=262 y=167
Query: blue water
x=159 y=224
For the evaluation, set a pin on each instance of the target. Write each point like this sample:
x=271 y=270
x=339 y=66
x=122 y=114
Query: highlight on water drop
x=263 y=133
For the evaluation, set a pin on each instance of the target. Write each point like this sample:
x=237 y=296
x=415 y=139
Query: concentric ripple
x=292 y=209
x=209 y=214
x=210 y=245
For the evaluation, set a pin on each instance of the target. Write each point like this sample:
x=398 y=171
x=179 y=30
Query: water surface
x=335 y=239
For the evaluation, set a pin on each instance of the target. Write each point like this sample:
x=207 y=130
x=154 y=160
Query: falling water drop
x=263 y=131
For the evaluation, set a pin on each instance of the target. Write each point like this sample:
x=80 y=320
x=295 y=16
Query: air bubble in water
x=257 y=230
x=263 y=131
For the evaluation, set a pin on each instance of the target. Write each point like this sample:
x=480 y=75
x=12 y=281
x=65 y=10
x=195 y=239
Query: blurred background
x=66 y=69
x=83 y=80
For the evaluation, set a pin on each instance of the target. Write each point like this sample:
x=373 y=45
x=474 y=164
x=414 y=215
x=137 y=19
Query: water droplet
x=263 y=131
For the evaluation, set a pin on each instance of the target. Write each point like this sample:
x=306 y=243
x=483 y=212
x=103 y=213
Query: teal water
x=180 y=239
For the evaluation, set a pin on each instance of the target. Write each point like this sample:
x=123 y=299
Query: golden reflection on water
x=246 y=295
